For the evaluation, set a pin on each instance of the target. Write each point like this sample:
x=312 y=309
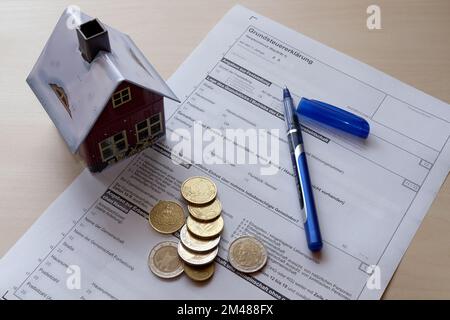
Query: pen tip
x=286 y=93
x=285 y=87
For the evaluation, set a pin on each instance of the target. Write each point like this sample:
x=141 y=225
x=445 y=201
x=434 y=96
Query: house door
x=113 y=146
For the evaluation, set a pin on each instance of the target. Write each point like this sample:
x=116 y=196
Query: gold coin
x=205 y=230
x=166 y=217
x=196 y=244
x=194 y=258
x=207 y=212
x=198 y=190
x=199 y=273
x=164 y=261
x=247 y=254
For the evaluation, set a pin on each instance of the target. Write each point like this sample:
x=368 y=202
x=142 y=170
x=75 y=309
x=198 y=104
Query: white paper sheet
x=371 y=196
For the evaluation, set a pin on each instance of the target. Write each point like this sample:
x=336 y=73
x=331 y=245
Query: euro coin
x=247 y=254
x=196 y=244
x=199 y=273
x=194 y=258
x=206 y=212
x=164 y=261
x=198 y=190
x=205 y=230
x=166 y=217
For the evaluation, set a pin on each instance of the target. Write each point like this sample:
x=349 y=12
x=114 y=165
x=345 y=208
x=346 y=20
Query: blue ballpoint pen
x=311 y=222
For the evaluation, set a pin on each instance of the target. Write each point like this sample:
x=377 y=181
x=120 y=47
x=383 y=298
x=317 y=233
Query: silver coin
x=247 y=254
x=196 y=244
x=164 y=261
x=195 y=258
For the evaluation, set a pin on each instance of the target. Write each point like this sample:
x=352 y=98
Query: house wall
x=143 y=105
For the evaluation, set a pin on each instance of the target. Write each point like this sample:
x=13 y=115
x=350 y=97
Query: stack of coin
x=200 y=236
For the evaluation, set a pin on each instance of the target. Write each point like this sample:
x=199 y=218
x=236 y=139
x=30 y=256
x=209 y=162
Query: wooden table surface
x=36 y=166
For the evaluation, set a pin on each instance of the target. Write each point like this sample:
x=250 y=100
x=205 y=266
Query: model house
x=102 y=94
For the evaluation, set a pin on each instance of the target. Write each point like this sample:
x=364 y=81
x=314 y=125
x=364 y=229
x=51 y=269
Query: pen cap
x=334 y=117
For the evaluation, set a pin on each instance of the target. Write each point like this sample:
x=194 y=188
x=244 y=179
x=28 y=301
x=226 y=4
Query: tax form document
x=93 y=242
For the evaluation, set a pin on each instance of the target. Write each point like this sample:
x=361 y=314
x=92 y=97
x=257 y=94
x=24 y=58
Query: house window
x=113 y=146
x=149 y=128
x=61 y=94
x=121 y=97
